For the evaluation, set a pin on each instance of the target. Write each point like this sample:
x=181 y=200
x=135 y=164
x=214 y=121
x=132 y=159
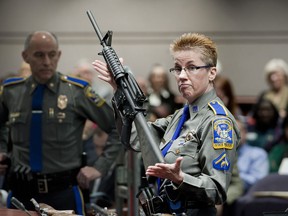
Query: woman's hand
x=167 y=171
x=104 y=73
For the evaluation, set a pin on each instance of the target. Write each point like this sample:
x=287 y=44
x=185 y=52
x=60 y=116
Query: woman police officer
x=200 y=149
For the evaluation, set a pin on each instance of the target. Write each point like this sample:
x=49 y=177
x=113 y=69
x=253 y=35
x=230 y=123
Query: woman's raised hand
x=104 y=73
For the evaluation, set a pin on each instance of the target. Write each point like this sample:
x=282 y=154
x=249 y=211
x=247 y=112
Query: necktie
x=36 y=129
x=164 y=151
x=184 y=117
x=175 y=206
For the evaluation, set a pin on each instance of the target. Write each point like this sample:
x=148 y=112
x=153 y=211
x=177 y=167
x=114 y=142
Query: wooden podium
x=14 y=212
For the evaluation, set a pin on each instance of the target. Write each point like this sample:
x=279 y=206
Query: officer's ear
x=212 y=73
x=25 y=56
x=59 y=53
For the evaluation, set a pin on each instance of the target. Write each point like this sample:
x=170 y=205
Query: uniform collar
x=201 y=102
x=51 y=84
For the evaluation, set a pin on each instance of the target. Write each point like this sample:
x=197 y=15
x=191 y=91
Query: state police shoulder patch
x=221 y=162
x=90 y=93
x=222 y=134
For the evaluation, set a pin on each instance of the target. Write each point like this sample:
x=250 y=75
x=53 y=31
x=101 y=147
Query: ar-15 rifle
x=129 y=101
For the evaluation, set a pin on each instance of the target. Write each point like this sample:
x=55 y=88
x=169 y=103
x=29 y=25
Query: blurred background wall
x=248 y=32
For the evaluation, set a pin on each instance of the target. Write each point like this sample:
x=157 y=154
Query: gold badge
x=62 y=102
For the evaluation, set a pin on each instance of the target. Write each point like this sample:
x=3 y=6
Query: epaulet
x=13 y=80
x=76 y=81
x=218 y=108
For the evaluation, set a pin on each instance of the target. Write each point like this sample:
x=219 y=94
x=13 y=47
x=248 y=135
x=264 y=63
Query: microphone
x=39 y=210
x=36 y=204
x=19 y=205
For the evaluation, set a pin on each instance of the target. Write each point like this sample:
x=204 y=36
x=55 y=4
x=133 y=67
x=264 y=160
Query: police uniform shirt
x=67 y=103
x=207 y=143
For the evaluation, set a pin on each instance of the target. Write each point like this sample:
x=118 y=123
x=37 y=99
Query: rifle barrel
x=94 y=24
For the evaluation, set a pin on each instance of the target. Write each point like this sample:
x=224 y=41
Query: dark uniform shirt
x=67 y=103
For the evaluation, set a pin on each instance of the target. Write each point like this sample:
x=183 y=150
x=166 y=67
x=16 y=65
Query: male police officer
x=46 y=113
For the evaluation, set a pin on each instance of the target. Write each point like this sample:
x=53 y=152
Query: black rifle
x=129 y=100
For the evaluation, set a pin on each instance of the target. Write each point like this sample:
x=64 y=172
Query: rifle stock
x=132 y=100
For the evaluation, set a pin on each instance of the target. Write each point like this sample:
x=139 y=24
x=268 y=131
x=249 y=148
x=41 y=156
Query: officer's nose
x=46 y=60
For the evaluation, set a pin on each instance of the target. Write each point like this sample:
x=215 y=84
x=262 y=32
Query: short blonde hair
x=190 y=41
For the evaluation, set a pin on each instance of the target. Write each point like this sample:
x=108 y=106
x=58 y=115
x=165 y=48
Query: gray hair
x=276 y=65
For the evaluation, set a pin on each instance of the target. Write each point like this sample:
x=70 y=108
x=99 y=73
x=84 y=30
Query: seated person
x=280 y=150
x=263 y=126
x=252 y=161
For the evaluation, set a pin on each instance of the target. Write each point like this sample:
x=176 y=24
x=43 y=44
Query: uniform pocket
x=19 y=124
x=185 y=145
x=58 y=128
x=188 y=148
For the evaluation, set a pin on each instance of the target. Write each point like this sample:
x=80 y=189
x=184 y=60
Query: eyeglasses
x=177 y=70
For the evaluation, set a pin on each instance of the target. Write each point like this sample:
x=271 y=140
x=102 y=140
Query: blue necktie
x=184 y=117
x=175 y=206
x=164 y=151
x=36 y=129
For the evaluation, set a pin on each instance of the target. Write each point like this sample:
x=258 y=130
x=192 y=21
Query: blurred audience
x=264 y=125
x=225 y=91
x=142 y=82
x=279 y=151
x=84 y=70
x=235 y=191
x=24 y=70
x=162 y=100
x=276 y=71
x=253 y=163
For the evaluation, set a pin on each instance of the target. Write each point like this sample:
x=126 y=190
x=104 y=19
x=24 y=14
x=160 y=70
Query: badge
x=62 y=102
x=221 y=162
x=190 y=136
x=222 y=134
